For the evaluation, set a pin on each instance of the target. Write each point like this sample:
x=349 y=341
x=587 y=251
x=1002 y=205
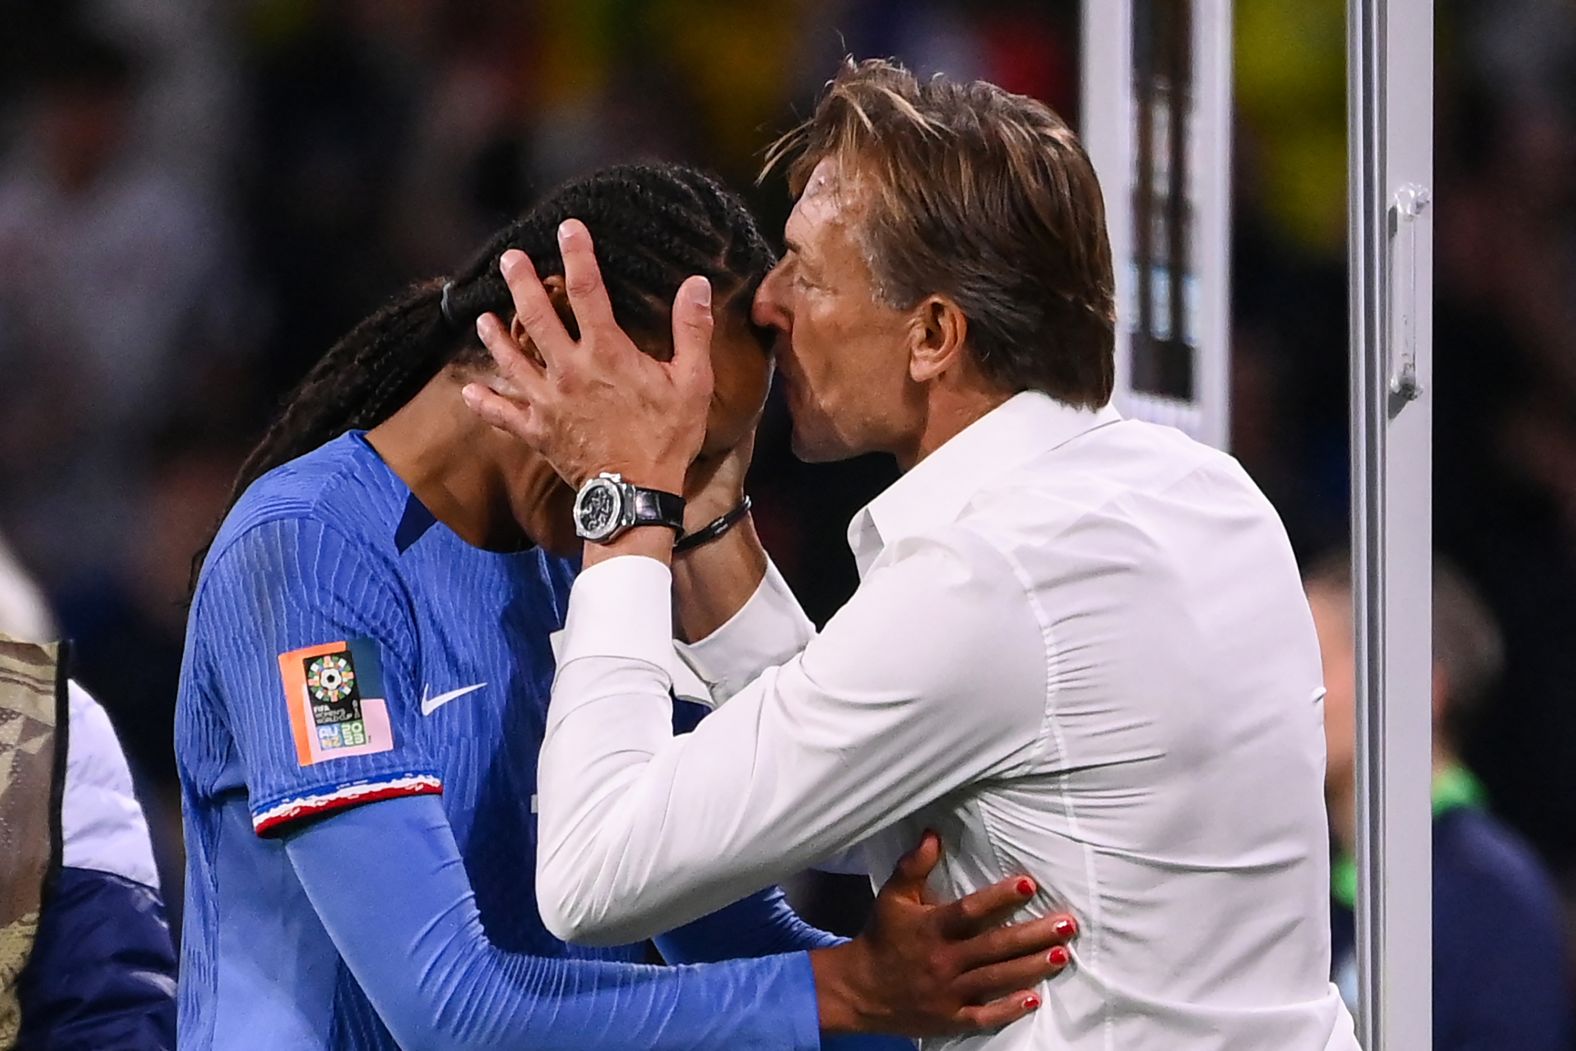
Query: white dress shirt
x=1079 y=650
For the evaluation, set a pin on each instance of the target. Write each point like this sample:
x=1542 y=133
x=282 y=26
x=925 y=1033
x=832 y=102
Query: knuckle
x=516 y=370
x=974 y=1018
x=532 y=315
x=946 y=965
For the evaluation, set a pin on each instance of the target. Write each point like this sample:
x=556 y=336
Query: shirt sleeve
x=102 y=825
x=762 y=924
x=933 y=676
x=102 y=969
x=309 y=641
x=417 y=947
x=768 y=630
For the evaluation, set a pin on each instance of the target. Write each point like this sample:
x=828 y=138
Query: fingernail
x=1031 y=1003
x=1065 y=927
x=703 y=293
x=471 y=394
x=1058 y=957
x=509 y=260
x=1026 y=887
x=566 y=230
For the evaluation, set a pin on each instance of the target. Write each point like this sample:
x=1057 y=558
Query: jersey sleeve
x=308 y=644
x=417 y=947
x=762 y=924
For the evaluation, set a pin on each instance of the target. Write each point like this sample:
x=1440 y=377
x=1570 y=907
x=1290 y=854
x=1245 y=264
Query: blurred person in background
x=113 y=276
x=363 y=695
x=1505 y=436
x=98 y=971
x=1501 y=976
x=116 y=379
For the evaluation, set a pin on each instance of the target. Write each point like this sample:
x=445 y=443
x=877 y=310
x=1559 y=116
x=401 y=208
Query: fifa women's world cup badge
x=337 y=704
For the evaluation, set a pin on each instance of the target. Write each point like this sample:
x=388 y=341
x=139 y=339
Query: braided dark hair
x=654 y=225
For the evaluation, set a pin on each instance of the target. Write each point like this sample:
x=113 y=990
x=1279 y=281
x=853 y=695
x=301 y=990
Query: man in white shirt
x=1079 y=648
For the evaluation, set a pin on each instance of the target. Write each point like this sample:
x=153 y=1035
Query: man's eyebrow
x=797 y=248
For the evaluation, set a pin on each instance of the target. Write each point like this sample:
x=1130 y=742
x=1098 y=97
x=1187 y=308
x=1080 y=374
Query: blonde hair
x=985 y=197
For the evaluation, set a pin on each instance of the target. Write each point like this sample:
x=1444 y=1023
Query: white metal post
x=1390 y=135
x=1106 y=128
x=1210 y=154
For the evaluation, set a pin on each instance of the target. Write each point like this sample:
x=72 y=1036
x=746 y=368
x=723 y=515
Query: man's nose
x=769 y=309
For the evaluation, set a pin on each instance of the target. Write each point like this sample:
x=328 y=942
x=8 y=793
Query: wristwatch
x=607 y=505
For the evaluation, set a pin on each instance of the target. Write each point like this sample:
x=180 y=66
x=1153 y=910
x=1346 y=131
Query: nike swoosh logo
x=432 y=704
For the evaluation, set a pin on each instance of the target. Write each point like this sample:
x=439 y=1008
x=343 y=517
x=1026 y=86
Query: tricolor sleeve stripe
x=271 y=818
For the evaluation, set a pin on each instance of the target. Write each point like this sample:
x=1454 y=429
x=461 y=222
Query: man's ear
x=937 y=332
x=559 y=297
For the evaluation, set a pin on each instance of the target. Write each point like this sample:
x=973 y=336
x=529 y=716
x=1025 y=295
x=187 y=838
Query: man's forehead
x=823 y=182
x=828 y=199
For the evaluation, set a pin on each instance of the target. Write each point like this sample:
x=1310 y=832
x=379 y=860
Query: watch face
x=597 y=509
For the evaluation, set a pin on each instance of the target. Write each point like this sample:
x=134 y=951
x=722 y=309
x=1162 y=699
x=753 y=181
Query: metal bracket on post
x=1405 y=212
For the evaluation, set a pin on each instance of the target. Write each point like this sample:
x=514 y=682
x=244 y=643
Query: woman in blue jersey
x=371 y=625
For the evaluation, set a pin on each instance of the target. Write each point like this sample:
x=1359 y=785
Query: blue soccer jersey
x=344 y=647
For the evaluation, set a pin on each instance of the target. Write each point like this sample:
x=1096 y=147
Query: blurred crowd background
x=198 y=196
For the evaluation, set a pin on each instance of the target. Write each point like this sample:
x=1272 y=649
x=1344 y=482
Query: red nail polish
x=1065 y=927
x=1026 y=887
x=1058 y=957
x=1031 y=1003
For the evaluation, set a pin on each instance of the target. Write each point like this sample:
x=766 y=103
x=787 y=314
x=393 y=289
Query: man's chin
x=817 y=449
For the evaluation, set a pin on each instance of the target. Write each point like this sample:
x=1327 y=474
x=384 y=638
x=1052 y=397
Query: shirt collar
x=940 y=485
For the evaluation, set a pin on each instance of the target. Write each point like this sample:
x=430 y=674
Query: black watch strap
x=654 y=507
